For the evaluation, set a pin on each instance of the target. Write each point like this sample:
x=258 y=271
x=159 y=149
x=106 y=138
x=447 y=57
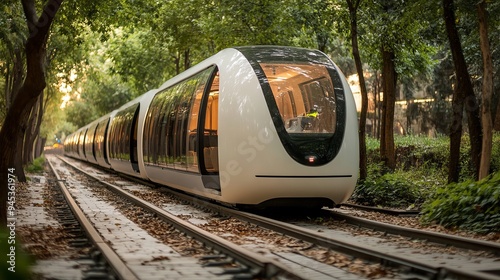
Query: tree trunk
x=14 y=77
x=497 y=118
x=389 y=88
x=14 y=126
x=472 y=109
x=353 y=7
x=187 y=59
x=458 y=97
x=33 y=131
x=487 y=122
x=29 y=135
x=378 y=105
x=18 y=160
x=463 y=92
x=177 y=62
x=40 y=143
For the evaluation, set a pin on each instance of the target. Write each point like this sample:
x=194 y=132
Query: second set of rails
x=270 y=268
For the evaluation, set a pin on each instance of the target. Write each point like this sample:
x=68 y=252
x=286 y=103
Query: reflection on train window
x=171 y=124
x=304 y=95
x=100 y=145
x=81 y=141
x=123 y=134
x=89 y=141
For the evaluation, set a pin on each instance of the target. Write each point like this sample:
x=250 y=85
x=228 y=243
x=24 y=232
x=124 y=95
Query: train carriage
x=262 y=125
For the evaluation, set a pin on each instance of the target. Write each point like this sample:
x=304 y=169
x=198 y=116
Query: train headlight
x=311 y=159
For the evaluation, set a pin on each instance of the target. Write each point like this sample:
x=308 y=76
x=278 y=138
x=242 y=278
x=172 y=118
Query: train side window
x=155 y=154
x=186 y=91
x=190 y=125
x=156 y=125
x=121 y=133
x=81 y=144
x=94 y=131
x=169 y=122
x=89 y=142
x=100 y=143
x=172 y=121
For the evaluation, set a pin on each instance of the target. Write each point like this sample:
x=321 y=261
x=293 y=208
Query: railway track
x=113 y=260
x=254 y=265
x=406 y=264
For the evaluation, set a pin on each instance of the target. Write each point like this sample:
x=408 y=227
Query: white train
x=250 y=126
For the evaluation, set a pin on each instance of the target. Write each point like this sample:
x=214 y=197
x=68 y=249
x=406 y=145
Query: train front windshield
x=305 y=96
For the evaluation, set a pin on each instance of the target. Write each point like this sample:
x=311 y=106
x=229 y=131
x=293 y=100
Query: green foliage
x=400 y=189
x=36 y=166
x=422 y=167
x=468 y=205
x=395 y=28
x=81 y=112
x=415 y=152
x=385 y=191
x=135 y=57
x=233 y=23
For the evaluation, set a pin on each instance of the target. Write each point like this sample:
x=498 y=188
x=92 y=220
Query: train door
x=104 y=143
x=208 y=157
x=81 y=144
x=93 y=142
x=133 y=142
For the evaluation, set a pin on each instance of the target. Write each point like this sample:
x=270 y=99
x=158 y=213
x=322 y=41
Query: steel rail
x=437 y=237
x=268 y=267
x=119 y=267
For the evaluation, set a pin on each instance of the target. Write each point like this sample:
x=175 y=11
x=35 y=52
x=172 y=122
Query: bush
x=469 y=205
x=421 y=166
x=36 y=166
x=400 y=189
x=421 y=178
